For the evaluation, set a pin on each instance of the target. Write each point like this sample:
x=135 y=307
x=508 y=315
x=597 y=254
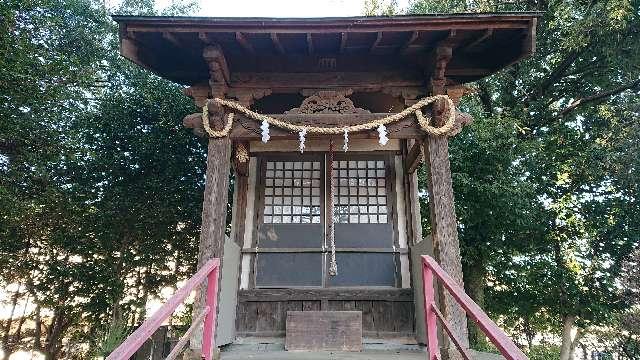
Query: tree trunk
x=17 y=336
x=474 y=285
x=53 y=342
x=37 y=336
x=569 y=340
x=116 y=308
x=7 y=324
x=528 y=333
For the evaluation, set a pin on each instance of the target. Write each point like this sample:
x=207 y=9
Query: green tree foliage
x=546 y=179
x=100 y=186
x=380 y=7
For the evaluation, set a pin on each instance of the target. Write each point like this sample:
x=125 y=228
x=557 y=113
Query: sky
x=281 y=8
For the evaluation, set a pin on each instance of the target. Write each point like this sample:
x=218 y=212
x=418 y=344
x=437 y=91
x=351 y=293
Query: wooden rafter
x=407 y=44
x=343 y=41
x=375 y=44
x=448 y=41
x=310 y=44
x=485 y=35
x=310 y=80
x=170 y=37
x=276 y=43
x=246 y=45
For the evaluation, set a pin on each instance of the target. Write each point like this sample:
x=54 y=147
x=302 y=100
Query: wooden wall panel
x=264 y=312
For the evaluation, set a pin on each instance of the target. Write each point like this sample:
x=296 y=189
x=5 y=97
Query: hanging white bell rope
x=333 y=264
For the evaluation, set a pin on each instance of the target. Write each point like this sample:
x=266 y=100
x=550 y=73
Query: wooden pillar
x=216 y=191
x=214 y=216
x=444 y=232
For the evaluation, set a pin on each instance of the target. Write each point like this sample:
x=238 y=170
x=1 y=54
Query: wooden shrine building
x=350 y=198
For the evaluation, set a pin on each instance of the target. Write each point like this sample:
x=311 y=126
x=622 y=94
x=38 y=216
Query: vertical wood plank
x=387 y=321
x=367 y=315
x=240 y=208
x=403 y=316
x=251 y=316
x=241 y=316
x=267 y=317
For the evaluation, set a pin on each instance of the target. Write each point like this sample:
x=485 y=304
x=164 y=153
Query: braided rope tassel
x=333 y=264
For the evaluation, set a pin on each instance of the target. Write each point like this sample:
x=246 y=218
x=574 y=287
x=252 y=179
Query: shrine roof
x=481 y=44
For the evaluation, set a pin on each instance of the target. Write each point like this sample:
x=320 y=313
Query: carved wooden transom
x=327 y=102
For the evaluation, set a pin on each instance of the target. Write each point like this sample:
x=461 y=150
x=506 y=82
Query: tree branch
x=595 y=97
x=485 y=97
x=555 y=75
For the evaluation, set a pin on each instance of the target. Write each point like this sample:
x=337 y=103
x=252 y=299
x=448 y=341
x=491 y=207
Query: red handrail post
x=499 y=338
x=429 y=314
x=209 y=331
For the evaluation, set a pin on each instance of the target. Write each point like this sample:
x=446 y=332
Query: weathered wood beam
x=468 y=72
x=404 y=48
x=486 y=35
x=325 y=294
x=338 y=79
x=375 y=44
x=414 y=157
x=343 y=41
x=310 y=46
x=276 y=43
x=137 y=51
x=246 y=45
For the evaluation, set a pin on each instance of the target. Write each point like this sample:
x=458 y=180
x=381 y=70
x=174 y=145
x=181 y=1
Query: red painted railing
x=210 y=272
x=498 y=337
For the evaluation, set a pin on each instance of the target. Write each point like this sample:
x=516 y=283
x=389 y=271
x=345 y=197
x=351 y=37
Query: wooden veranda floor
x=274 y=350
x=308 y=355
